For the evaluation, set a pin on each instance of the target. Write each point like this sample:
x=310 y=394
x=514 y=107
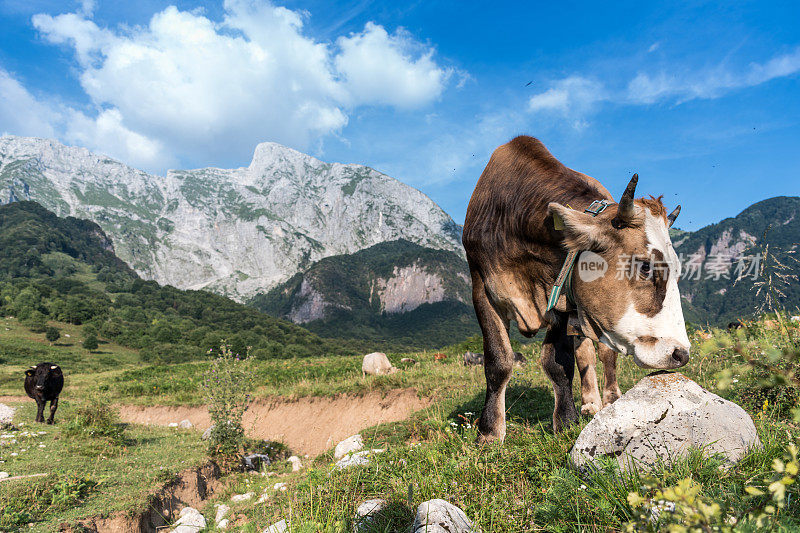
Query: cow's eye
x=645 y=269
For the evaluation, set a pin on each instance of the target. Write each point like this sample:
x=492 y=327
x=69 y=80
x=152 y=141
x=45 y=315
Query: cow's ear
x=581 y=231
x=29 y=372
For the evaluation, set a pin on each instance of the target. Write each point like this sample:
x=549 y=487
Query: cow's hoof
x=489 y=438
x=590 y=409
x=610 y=397
x=50 y=422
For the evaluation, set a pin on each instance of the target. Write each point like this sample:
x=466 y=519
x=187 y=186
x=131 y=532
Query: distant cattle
x=43 y=383
x=439 y=356
x=376 y=364
x=736 y=324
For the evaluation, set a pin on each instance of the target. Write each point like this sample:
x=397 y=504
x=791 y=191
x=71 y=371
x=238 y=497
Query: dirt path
x=307 y=425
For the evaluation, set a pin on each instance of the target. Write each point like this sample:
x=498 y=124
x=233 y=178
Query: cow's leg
x=40 y=409
x=53 y=407
x=498 y=362
x=611 y=390
x=585 y=357
x=558 y=362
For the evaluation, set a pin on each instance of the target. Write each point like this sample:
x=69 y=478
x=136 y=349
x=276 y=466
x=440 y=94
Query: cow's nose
x=39 y=387
x=680 y=356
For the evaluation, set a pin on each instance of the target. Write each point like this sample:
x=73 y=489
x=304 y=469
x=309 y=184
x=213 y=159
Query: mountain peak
x=267 y=154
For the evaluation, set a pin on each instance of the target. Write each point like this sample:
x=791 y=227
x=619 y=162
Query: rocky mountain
x=731 y=268
x=237 y=232
x=394 y=291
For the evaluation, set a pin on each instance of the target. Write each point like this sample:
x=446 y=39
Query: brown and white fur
x=515 y=252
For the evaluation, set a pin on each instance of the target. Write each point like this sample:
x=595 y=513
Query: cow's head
x=41 y=373
x=625 y=281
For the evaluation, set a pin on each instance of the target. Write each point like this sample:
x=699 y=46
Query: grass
x=86 y=476
x=526 y=484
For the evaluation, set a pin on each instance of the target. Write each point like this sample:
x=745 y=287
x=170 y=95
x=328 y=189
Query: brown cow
x=515 y=253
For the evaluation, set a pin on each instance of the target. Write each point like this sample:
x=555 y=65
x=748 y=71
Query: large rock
x=440 y=516
x=377 y=364
x=357 y=459
x=349 y=445
x=660 y=419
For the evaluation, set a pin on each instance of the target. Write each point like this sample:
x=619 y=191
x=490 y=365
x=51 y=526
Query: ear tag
x=558 y=222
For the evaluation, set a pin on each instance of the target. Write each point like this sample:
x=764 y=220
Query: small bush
x=90 y=342
x=52 y=334
x=227 y=384
x=97 y=420
x=27 y=501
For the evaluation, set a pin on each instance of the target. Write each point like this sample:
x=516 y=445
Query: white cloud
x=651 y=88
x=21 y=113
x=205 y=90
x=573 y=97
x=379 y=68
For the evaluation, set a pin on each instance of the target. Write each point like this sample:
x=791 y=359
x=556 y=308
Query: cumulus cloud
x=208 y=90
x=573 y=97
x=379 y=68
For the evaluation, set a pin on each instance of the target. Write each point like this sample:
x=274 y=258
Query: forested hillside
x=396 y=293
x=64 y=269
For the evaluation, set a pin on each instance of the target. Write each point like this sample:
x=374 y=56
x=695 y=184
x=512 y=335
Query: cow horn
x=33 y=366
x=672 y=216
x=53 y=367
x=626 y=210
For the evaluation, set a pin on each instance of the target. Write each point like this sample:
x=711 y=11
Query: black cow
x=43 y=383
x=736 y=324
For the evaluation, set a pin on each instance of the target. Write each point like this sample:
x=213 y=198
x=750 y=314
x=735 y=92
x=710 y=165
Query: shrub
x=96 y=420
x=52 y=334
x=36 y=322
x=227 y=385
x=90 y=342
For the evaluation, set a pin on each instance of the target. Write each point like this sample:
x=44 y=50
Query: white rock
x=659 y=419
x=358 y=458
x=172 y=425
x=223 y=524
x=264 y=497
x=349 y=445
x=236 y=498
x=4 y=475
x=366 y=513
x=185 y=424
x=440 y=516
x=279 y=486
x=377 y=364
x=222 y=510
x=190 y=521
x=296 y=463
x=277 y=527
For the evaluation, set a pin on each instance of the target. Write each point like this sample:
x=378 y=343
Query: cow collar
x=564 y=279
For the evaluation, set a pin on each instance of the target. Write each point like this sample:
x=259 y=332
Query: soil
x=307 y=425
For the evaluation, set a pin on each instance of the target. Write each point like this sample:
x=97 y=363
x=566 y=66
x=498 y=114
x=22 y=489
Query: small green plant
x=227 y=385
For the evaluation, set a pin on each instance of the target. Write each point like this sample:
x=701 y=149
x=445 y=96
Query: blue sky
x=701 y=99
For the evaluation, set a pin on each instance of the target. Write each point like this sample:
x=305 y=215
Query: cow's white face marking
x=652 y=340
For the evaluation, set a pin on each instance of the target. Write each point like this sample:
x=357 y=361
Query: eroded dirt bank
x=307 y=425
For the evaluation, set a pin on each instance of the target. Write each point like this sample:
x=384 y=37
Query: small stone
x=367 y=512
x=172 y=425
x=207 y=433
x=4 y=475
x=223 y=524
x=349 y=445
x=189 y=521
x=6 y=416
x=357 y=459
x=185 y=424
x=280 y=486
x=440 y=516
x=236 y=498
x=222 y=510
x=255 y=461
x=296 y=464
x=277 y=527
x=408 y=361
